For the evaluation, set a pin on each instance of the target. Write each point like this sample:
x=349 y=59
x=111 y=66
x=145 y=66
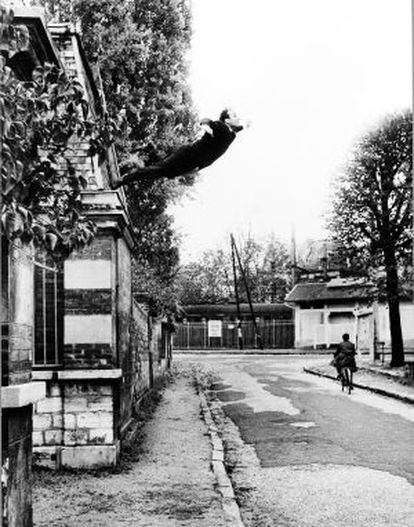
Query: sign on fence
x=197 y=335
x=214 y=328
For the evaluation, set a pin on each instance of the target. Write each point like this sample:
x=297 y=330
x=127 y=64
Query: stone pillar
x=18 y=392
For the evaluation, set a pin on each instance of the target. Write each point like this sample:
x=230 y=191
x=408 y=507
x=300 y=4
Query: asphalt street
x=309 y=454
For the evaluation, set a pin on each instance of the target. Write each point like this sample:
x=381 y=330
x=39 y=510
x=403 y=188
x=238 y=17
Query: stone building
x=99 y=349
x=78 y=350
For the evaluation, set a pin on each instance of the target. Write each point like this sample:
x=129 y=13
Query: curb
x=229 y=504
x=378 y=391
x=282 y=353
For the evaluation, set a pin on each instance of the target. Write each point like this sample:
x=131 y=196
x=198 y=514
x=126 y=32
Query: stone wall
x=76 y=413
x=90 y=309
x=112 y=353
x=17 y=470
x=136 y=378
x=106 y=363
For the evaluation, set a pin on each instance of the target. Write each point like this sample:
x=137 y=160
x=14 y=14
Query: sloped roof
x=308 y=292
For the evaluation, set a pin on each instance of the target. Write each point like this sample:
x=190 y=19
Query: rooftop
x=338 y=289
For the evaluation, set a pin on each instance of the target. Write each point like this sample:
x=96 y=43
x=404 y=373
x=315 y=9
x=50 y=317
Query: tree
x=207 y=280
x=42 y=120
x=210 y=278
x=371 y=212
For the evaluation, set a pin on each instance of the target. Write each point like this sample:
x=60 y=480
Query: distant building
x=273 y=321
x=326 y=310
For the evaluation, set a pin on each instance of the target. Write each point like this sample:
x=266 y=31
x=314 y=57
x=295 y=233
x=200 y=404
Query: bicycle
x=346 y=379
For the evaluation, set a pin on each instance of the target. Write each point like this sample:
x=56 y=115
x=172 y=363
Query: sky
x=311 y=76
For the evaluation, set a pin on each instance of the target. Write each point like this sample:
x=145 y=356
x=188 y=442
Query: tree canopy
x=372 y=210
x=210 y=278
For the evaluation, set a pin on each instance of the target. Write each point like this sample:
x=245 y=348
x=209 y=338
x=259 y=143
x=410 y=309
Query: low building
x=324 y=311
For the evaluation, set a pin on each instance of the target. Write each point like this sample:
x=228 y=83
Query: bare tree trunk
x=397 y=343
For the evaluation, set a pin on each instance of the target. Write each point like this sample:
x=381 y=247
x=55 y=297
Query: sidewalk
x=171 y=483
x=373 y=377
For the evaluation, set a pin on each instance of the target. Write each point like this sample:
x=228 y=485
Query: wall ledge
x=68 y=375
x=19 y=395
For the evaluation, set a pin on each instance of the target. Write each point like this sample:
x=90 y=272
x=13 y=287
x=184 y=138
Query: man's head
x=345 y=337
x=230 y=118
x=225 y=114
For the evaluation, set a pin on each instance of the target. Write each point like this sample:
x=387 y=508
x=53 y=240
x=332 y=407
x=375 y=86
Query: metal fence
x=275 y=334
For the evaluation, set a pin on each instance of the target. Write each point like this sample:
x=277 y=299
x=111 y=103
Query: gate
x=275 y=334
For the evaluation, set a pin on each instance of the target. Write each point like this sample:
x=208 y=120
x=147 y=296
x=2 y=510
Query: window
x=48 y=313
x=4 y=281
x=4 y=310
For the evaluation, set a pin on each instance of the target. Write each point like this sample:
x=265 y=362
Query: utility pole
x=249 y=298
x=236 y=292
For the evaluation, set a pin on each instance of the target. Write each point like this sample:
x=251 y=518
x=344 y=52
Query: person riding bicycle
x=344 y=356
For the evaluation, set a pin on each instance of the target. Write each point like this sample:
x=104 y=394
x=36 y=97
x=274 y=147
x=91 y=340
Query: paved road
x=311 y=455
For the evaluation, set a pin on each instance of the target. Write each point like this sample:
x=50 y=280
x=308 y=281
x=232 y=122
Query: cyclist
x=344 y=356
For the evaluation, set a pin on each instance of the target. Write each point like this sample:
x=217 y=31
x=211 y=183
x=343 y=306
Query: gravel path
x=171 y=485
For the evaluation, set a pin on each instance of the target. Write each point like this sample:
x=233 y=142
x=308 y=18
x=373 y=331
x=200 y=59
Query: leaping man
x=191 y=157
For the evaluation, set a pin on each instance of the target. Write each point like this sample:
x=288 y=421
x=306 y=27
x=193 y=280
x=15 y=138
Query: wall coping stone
x=68 y=375
x=19 y=395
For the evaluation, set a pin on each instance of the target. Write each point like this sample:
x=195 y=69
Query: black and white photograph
x=207 y=266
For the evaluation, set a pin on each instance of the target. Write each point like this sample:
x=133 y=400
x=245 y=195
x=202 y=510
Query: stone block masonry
x=90 y=306
x=88 y=356
x=74 y=414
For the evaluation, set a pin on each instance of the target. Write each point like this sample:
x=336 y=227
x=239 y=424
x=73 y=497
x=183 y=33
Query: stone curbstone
x=379 y=391
x=224 y=485
x=233 y=512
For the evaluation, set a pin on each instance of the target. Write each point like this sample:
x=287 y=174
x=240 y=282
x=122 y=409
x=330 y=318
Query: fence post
x=188 y=335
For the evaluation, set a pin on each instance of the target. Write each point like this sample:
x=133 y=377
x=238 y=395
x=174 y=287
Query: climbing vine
x=43 y=121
